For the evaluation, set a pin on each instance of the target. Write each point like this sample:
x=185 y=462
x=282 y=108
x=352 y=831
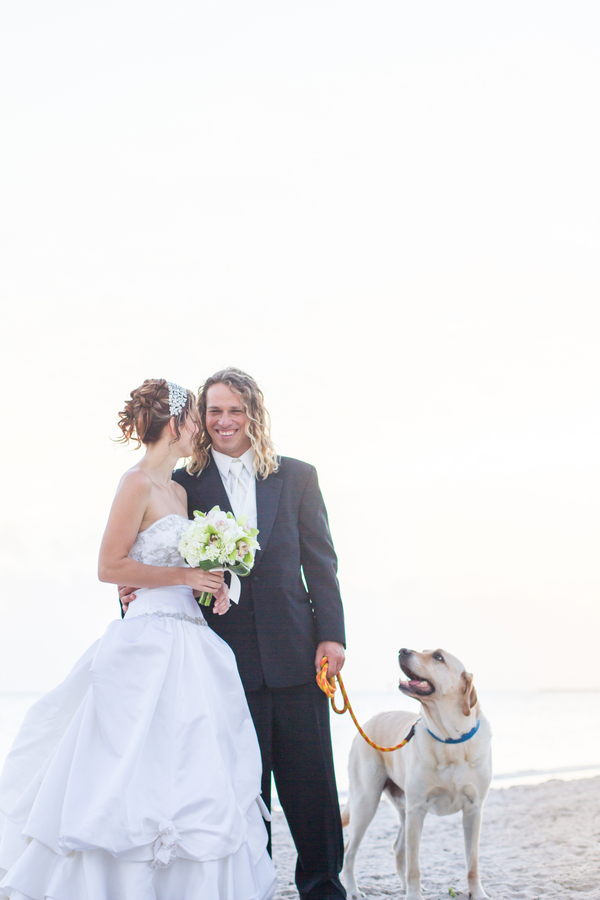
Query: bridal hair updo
x=258 y=428
x=144 y=417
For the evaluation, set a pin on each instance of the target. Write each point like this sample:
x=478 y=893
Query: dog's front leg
x=472 y=827
x=415 y=816
x=400 y=847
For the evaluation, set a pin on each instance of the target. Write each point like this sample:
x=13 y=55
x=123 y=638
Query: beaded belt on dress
x=195 y=620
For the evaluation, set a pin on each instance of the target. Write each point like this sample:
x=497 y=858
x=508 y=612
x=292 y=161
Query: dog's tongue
x=419 y=684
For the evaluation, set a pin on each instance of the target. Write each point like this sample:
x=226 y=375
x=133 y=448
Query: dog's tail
x=345 y=815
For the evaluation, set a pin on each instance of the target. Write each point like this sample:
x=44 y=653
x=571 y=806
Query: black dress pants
x=292 y=725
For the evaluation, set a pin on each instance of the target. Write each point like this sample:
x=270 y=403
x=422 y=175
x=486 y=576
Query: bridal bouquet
x=218 y=541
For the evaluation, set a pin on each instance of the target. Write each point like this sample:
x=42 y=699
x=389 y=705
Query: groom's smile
x=226 y=420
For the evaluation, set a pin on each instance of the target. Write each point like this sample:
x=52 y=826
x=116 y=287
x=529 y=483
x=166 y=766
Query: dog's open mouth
x=419 y=687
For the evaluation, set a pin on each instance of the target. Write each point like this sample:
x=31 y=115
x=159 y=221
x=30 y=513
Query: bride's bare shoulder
x=135 y=481
x=130 y=504
x=180 y=491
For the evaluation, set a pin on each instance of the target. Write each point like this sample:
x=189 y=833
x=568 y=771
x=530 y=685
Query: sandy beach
x=539 y=842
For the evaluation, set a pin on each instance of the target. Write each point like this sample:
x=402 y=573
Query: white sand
x=538 y=841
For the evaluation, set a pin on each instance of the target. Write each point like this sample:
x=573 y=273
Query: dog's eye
x=439 y=657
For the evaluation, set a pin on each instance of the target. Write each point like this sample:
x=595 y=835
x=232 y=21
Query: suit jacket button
x=255 y=578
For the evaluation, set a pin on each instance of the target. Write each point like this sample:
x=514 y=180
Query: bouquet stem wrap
x=235 y=588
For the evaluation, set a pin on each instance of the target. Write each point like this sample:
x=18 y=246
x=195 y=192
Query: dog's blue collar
x=460 y=740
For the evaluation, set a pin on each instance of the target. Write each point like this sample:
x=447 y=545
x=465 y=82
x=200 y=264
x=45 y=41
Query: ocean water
x=537 y=735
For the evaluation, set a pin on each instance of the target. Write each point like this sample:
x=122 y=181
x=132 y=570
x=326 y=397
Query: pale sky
x=385 y=211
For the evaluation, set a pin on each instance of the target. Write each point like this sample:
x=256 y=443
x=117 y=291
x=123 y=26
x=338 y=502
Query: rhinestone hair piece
x=177 y=398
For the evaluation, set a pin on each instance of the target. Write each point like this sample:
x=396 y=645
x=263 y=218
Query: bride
x=138 y=777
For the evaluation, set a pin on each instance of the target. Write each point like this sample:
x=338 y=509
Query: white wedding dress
x=138 y=778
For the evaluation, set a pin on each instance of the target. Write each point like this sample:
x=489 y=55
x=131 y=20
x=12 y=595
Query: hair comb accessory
x=177 y=398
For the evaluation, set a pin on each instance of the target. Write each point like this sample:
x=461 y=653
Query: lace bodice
x=157 y=545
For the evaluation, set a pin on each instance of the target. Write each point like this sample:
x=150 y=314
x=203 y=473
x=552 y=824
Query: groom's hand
x=126 y=596
x=335 y=657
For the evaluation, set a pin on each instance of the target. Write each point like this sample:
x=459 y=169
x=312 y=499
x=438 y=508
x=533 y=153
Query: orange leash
x=329 y=687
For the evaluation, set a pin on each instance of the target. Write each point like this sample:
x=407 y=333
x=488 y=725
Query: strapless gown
x=138 y=777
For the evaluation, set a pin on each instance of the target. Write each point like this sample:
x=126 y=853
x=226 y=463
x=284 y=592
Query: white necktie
x=238 y=488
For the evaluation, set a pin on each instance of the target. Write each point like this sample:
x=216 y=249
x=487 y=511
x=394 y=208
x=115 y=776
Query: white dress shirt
x=247 y=477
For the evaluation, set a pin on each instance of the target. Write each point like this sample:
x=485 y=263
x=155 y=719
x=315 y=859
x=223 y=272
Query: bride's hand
x=199 y=580
x=222 y=601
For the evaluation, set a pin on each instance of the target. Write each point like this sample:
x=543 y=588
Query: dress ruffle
x=138 y=777
x=41 y=874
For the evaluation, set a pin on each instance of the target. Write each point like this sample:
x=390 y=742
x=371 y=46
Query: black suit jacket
x=281 y=616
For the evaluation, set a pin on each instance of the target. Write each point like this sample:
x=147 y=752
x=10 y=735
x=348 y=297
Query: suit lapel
x=267 y=501
x=211 y=491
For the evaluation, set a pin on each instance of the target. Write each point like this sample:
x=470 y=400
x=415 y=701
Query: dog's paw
x=478 y=893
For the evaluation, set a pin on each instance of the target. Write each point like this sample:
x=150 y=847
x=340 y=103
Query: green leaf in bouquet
x=207 y=564
x=240 y=569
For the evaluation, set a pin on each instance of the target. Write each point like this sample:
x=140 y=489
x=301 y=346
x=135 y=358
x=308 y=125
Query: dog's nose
x=404 y=651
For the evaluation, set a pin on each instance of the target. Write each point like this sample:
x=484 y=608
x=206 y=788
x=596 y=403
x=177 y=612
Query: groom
x=289 y=615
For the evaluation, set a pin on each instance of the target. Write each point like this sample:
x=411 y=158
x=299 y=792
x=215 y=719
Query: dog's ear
x=470 y=694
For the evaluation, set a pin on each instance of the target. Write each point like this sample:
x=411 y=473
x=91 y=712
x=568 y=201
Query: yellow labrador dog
x=446 y=767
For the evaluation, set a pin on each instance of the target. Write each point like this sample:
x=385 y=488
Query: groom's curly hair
x=258 y=428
